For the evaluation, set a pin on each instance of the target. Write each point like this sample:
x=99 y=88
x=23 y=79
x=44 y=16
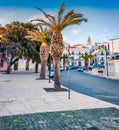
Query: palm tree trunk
x=57 y=47
x=86 y=64
x=44 y=52
x=64 y=63
x=43 y=69
x=57 y=84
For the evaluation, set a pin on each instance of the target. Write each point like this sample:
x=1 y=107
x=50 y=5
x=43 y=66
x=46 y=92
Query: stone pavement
x=21 y=93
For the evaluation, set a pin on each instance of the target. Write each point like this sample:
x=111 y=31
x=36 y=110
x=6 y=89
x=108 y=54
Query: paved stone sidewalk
x=21 y=94
x=86 y=119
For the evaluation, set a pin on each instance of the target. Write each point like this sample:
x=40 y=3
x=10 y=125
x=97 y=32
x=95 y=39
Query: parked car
x=69 y=67
x=52 y=73
x=101 y=66
x=61 y=68
x=84 y=68
x=75 y=67
x=80 y=69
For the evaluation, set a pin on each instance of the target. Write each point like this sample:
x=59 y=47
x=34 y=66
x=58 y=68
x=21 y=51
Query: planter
x=100 y=71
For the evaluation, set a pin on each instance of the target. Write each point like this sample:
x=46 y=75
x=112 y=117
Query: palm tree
x=56 y=25
x=87 y=57
x=41 y=36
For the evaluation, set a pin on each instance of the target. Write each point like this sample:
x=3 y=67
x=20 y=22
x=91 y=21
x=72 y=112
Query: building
x=77 y=50
x=113 y=46
x=101 y=50
x=113 y=67
x=3 y=63
x=65 y=55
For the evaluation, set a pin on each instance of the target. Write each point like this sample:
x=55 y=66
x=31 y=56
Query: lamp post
x=49 y=65
x=50 y=36
x=69 y=72
x=68 y=77
x=107 y=72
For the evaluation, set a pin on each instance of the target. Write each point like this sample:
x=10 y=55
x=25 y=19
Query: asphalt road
x=98 y=87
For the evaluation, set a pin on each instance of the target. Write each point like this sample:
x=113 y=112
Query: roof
x=114 y=39
x=76 y=45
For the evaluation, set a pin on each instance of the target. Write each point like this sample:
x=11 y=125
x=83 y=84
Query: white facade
x=66 y=46
x=76 y=52
x=65 y=52
x=22 y=65
x=114 y=46
x=113 y=67
x=100 y=53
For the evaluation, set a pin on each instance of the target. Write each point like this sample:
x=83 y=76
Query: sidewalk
x=95 y=72
x=21 y=93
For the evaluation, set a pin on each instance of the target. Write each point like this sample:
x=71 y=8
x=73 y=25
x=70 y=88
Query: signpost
x=69 y=73
x=106 y=61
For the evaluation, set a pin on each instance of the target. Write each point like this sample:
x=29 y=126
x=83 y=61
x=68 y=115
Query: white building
x=65 y=55
x=78 y=49
x=21 y=65
x=101 y=49
x=113 y=67
x=114 y=46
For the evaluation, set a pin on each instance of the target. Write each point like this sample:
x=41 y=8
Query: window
x=72 y=52
x=102 y=53
x=1 y=63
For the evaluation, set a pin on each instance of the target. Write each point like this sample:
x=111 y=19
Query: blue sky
x=102 y=15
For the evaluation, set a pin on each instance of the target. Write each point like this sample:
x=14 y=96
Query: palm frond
x=72 y=16
x=73 y=20
x=67 y=15
x=43 y=22
x=48 y=16
x=41 y=29
x=60 y=12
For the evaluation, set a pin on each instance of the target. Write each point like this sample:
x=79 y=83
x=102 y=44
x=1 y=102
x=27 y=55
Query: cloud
x=105 y=30
x=75 y=31
x=65 y=38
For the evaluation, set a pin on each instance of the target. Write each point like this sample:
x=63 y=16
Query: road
x=98 y=87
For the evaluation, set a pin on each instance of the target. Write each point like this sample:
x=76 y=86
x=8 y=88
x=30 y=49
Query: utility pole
x=107 y=72
x=69 y=78
x=69 y=72
x=49 y=65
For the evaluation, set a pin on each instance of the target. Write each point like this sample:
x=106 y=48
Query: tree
x=86 y=58
x=56 y=25
x=41 y=36
x=18 y=45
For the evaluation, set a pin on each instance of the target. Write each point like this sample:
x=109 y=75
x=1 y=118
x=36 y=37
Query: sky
x=102 y=15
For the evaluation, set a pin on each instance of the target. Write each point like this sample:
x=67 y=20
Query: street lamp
x=49 y=65
x=106 y=61
x=49 y=37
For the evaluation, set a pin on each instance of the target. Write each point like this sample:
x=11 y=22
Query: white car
x=80 y=69
x=52 y=73
x=61 y=68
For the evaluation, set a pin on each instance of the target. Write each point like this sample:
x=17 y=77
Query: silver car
x=80 y=69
